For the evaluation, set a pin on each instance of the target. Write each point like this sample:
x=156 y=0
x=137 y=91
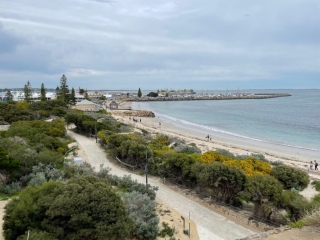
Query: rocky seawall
x=208 y=97
x=132 y=113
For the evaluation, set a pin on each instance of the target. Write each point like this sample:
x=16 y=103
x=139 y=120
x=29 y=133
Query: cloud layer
x=123 y=44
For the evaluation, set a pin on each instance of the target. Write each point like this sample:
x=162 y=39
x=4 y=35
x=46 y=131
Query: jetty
x=194 y=97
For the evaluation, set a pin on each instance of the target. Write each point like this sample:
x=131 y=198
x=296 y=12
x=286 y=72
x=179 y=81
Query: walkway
x=210 y=225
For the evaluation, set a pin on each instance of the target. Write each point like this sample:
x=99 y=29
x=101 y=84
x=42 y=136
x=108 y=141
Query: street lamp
x=147 y=163
x=95 y=128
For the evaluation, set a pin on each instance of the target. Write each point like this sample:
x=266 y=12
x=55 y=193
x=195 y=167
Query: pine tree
x=9 y=95
x=139 y=93
x=58 y=92
x=86 y=96
x=43 y=93
x=64 y=90
x=27 y=92
x=73 y=97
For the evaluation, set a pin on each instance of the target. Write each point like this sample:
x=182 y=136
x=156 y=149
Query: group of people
x=315 y=165
x=208 y=137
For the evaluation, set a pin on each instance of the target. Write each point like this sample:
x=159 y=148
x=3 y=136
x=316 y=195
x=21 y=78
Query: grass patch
x=5 y=197
x=166 y=230
x=316 y=185
x=298 y=224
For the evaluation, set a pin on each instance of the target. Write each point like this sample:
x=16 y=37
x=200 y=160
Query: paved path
x=210 y=225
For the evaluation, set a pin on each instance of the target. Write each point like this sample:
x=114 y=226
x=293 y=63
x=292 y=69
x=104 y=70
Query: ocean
x=287 y=121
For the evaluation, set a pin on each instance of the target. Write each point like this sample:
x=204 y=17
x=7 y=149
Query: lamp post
x=95 y=128
x=147 y=163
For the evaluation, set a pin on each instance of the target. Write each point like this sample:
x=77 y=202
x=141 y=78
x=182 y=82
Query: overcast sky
x=127 y=44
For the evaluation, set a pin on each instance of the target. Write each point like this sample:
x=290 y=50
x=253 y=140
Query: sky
x=155 y=44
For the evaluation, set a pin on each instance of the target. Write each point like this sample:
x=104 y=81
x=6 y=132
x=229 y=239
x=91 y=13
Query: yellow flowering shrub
x=250 y=166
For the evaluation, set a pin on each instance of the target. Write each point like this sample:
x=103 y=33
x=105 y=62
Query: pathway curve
x=210 y=225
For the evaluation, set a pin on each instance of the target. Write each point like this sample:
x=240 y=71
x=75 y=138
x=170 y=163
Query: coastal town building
x=86 y=105
x=174 y=93
x=18 y=96
x=113 y=105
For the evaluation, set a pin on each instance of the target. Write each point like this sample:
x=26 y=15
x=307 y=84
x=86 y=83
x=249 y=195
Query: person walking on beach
x=311 y=165
x=315 y=165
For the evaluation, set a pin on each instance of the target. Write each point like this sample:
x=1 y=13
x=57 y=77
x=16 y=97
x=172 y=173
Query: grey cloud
x=188 y=40
x=8 y=41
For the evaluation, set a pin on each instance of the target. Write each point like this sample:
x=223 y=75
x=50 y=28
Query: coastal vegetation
x=59 y=200
x=234 y=180
x=52 y=198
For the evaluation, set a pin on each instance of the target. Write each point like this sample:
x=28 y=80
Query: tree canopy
x=43 y=93
x=291 y=177
x=83 y=208
x=139 y=93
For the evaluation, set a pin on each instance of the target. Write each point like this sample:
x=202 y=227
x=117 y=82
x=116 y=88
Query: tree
x=81 y=91
x=224 y=181
x=73 y=97
x=291 y=177
x=64 y=90
x=86 y=96
x=152 y=94
x=7 y=165
x=43 y=93
x=83 y=208
x=178 y=166
x=9 y=95
x=139 y=93
x=27 y=92
x=266 y=192
x=295 y=203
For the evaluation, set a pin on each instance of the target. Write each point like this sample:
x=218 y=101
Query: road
x=210 y=225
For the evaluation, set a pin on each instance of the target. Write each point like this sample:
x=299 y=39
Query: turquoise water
x=289 y=121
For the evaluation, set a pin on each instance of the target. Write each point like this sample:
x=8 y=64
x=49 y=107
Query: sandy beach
x=296 y=157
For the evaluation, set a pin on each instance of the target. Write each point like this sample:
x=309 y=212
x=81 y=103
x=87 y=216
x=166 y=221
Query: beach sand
x=298 y=158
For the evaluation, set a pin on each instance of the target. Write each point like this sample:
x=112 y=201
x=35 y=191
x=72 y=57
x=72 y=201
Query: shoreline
x=296 y=157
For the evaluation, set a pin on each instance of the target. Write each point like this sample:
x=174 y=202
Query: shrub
x=316 y=185
x=184 y=148
x=276 y=163
x=36 y=235
x=37 y=179
x=249 y=165
x=298 y=224
x=225 y=152
x=291 y=177
x=295 y=203
x=142 y=210
x=83 y=208
x=11 y=188
x=312 y=218
x=224 y=181
x=259 y=156
x=166 y=230
x=265 y=191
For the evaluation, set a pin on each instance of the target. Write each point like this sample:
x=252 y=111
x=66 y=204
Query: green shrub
x=312 y=218
x=291 y=177
x=166 y=230
x=276 y=163
x=142 y=210
x=298 y=224
x=12 y=188
x=316 y=184
x=295 y=203
x=225 y=152
x=36 y=235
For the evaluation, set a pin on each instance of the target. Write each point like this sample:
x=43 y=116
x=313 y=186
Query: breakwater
x=210 y=97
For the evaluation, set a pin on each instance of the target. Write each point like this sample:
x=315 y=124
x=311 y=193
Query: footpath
x=210 y=225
